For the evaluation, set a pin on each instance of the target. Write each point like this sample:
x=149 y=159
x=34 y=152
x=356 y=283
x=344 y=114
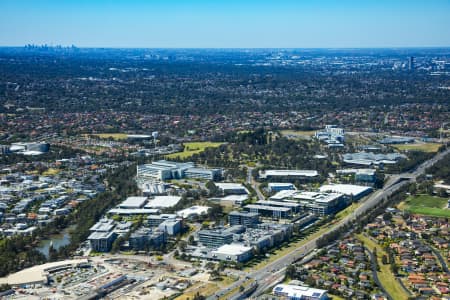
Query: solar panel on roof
x=279 y=289
x=316 y=294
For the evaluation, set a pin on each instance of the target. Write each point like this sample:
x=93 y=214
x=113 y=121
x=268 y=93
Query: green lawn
x=425 y=147
x=193 y=148
x=115 y=136
x=385 y=275
x=427 y=205
x=299 y=133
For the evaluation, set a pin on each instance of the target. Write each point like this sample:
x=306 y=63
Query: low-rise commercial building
x=270 y=211
x=288 y=174
x=214 y=238
x=102 y=241
x=171 y=227
x=243 y=218
x=146 y=238
x=369 y=158
x=320 y=203
x=232 y=252
x=354 y=192
x=232 y=188
x=297 y=292
x=280 y=186
x=165 y=170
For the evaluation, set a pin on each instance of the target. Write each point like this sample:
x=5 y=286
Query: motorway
x=273 y=272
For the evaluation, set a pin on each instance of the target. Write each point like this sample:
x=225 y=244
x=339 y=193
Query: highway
x=273 y=272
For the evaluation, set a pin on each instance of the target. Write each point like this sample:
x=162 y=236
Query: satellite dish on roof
x=155 y=134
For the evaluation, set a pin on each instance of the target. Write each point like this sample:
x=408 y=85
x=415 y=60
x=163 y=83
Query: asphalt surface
x=273 y=272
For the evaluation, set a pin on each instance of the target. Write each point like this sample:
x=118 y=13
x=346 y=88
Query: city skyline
x=226 y=24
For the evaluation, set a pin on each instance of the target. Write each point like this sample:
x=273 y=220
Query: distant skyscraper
x=411 y=63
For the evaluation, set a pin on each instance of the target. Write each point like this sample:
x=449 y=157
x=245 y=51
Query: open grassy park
x=298 y=133
x=426 y=205
x=193 y=148
x=424 y=147
x=115 y=136
x=385 y=275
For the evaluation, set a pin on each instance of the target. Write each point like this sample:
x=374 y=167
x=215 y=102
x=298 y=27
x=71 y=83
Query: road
x=273 y=272
x=254 y=184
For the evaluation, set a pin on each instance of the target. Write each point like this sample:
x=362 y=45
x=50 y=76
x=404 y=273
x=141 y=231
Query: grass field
x=298 y=133
x=51 y=171
x=425 y=147
x=193 y=148
x=201 y=288
x=426 y=205
x=385 y=275
x=115 y=136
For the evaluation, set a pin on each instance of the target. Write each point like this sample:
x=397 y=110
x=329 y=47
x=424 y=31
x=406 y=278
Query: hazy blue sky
x=226 y=23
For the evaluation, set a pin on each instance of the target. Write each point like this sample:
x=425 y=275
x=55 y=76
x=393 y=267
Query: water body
x=58 y=241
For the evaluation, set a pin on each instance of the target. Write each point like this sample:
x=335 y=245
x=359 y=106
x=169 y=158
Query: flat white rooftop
x=163 y=201
x=235 y=198
x=302 y=173
x=229 y=185
x=346 y=189
x=299 y=291
x=133 y=202
x=133 y=211
x=193 y=210
x=37 y=274
x=284 y=194
x=323 y=197
x=232 y=249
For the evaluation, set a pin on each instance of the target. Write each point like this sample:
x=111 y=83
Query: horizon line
x=224 y=48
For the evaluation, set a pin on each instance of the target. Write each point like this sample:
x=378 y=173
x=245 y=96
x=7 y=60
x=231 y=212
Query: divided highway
x=273 y=272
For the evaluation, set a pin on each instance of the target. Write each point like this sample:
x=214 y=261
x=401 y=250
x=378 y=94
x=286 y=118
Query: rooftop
x=37 y=273
x=346 y=189
x=232 y=249
x=299 y=291
x=133 y=202
x=304 y=173
x=163 y=201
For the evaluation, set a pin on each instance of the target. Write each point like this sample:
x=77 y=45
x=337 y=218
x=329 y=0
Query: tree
x=290 y=271
x=182 y=245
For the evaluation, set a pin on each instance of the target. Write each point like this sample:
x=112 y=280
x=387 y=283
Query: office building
x=270 y=211
x=165 y=170
x=102 y=241
x=332 y=135
x=275 y=187
x=320 y=204
x=145 y=238
x=171 y=227
x=243 y=218
x=227 y=188
x=411 y=63
x=355 y=192
x=215 y=238
x=155 y=220
x=232 y=252
x=288 y=174
x=369 y=159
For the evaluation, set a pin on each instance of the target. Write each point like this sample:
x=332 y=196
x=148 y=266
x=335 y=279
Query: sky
x=226 y=23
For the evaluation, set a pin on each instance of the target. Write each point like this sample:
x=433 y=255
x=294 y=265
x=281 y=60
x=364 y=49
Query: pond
x=58 y=241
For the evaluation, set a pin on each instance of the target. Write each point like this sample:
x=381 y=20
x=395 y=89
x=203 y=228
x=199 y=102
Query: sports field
x=299 y=134
x=193 y=148
x=426 y=205
x=425 y=147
